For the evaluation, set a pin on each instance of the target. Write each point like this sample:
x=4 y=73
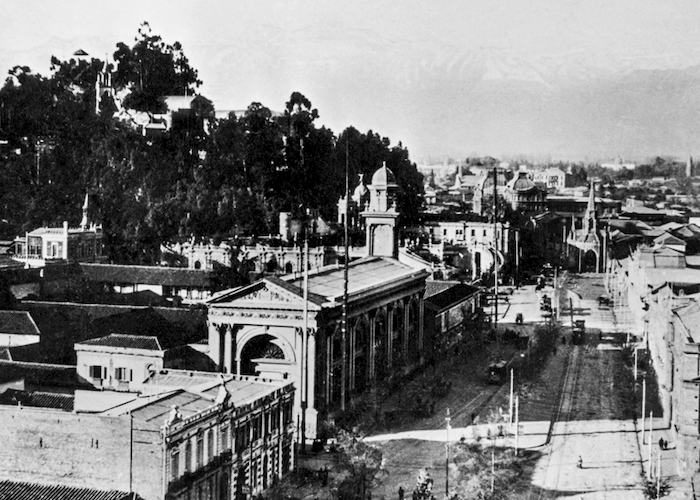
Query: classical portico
x=259 y=329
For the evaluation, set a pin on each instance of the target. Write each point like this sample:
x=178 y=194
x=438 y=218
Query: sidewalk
x=681 y=488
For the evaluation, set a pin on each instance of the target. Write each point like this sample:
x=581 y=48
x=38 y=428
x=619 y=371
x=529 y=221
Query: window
x=175 y=464
x=200 y=449
x=210 y=444
x=225 y=438
x=242 y=438
x=98 y=372
x=188 y=456
x=257 y=428
x=123 y=374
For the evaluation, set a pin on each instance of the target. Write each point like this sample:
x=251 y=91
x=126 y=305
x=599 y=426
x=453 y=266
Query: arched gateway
x=260 y=329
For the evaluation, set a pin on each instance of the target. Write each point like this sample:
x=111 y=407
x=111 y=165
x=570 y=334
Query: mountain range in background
x=442 y=100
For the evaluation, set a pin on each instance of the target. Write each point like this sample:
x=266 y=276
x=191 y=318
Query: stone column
x=228 y=341
x=311 y=412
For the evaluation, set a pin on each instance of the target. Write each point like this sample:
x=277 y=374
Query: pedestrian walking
x=661 y=443
x=41 y=443
x=579 y=463
x=400 y=492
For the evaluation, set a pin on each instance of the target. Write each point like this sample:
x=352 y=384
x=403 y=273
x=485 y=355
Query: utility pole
x=658 y=476
x=510 y=409
x=447 y=455
x=644 y=404
x=345 y=271
x=651 y=430
x=517 y=422
x=495 y=250
x=305 y=340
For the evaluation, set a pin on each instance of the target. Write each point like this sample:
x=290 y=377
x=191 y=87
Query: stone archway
x=259 y=344
x=589 y=262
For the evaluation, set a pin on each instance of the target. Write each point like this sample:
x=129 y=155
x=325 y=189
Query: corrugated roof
x=362 y=274
x=147 y=275
x=11 y=490
x=17 y=322
x=125 y=341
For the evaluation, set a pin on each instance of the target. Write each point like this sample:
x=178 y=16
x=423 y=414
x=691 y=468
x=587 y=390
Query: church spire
x=589 y=222
x=85 y=223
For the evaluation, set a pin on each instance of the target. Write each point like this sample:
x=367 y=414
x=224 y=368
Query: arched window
x=361 y=355
x=188 y=456
x=336 y=372
x=381 y=358
x=413 y=340
x=200 y=450
x=210 y=445
x=397 y=338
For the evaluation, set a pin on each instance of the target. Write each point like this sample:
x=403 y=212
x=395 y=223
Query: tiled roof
x=125 y=342
x=10 y=490
x=138 y=323
x=37 y=399
x=17 y=322
x=451 y=296
x=39 y=373
x=433 y=287
x=147 y=275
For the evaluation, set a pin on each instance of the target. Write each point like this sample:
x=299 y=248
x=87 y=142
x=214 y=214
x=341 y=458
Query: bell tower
x=381 y=215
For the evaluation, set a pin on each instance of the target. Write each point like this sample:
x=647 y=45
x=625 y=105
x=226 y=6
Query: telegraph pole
x=447 y=455
x=345 y=271
x=495 y=249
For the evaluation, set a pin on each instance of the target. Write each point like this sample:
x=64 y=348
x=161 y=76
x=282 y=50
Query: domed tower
x=380 y=217
x=523 y=194
x=359 y=201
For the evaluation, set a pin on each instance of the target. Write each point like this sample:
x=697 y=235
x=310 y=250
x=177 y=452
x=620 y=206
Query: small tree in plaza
x=363 y=463
x=424 y=486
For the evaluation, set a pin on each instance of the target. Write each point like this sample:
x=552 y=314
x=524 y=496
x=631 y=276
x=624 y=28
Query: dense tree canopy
x=202 y=177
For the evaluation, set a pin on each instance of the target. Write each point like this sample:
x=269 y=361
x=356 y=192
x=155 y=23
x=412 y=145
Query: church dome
x=521 y=184
x=384 y=177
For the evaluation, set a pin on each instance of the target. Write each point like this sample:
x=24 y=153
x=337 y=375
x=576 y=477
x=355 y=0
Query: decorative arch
x=335 y=363
x=413 y=316
x=397 y=336
x=589 y=262
x=361 y=352
x=261 y=342
x=381 y=345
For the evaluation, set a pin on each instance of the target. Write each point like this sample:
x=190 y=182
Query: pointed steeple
x=589 y=221
x=84 y=223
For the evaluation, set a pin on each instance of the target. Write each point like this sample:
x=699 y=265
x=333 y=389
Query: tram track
x=563 y=414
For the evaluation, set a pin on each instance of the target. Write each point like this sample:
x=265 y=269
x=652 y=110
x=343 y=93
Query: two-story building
x=47 y=245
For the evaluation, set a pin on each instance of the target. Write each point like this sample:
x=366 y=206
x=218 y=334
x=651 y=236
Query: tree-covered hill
x=76 y=131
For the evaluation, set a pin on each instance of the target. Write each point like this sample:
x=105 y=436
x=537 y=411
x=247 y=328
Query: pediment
x=263 y=294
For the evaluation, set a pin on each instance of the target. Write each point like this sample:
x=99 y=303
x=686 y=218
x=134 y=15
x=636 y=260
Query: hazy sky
x=409 y=70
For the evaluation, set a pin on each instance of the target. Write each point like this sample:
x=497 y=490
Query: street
x=591 y=419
